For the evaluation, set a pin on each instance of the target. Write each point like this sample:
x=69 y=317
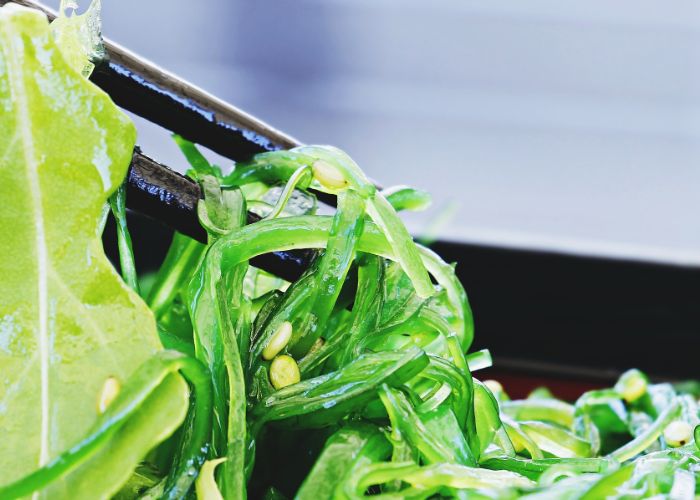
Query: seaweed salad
x=213 y=379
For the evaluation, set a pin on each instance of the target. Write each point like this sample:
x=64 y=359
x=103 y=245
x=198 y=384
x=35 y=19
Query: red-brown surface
x=518 y=385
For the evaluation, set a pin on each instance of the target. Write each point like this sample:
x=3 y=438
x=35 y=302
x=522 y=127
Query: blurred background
x=544 y=124
x=560 y=140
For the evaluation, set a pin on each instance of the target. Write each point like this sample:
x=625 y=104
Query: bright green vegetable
x=353 y=381
x=338 y=393
x=435 y=435
x=407 y=198
x=68 y=321
x=427 y=480
x=343 y=451
x=646 y=438
x=147 y=409
x=78 y=36
x=556 y=441
x=479 y=360
x=126 y=254
x=488 y=422
x=632 y=385
x=549 y=410
x=534 y=468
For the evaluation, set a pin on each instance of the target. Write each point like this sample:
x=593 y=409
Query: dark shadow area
x=589 y=317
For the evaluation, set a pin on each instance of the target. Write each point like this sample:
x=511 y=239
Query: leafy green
x=343 y=452
x=126 y=253
x=67 y=321
x=146 y=410
x=78 y=36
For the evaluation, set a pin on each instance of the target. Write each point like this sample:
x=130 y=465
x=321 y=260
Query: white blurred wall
x=548 y=123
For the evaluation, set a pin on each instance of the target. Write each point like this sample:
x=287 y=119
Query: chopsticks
x=159 y=192
x=163 y=98
x=164 y=195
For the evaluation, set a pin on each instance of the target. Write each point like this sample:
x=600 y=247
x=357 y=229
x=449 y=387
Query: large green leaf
x=154 y=420
x=67 y=321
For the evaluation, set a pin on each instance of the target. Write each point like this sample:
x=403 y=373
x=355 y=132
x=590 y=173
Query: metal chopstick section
x=50 y=13
x=161 y=97
x=164 y=194
x=153 y=93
